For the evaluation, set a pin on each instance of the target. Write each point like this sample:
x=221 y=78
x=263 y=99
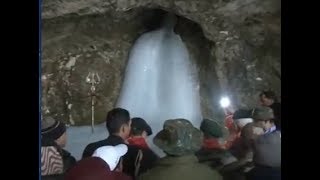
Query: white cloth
x=243 y=121
x=258 y=130
x=273 y=128
x=111 y=154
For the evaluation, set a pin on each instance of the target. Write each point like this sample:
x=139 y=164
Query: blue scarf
x=272 y=129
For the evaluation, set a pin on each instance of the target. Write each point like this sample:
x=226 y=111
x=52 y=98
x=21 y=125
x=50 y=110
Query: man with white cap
x=105 y=163
x=111 y=155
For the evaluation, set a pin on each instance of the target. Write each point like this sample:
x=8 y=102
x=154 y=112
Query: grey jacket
x=267 y=150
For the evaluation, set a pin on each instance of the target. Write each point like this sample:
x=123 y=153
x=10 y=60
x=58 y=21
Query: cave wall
x=199 y=50
x=236 y=45
x=74 y=46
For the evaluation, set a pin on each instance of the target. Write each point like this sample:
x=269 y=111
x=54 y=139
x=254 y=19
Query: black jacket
x=147 y=161
x=276 y=107
x=111 y=140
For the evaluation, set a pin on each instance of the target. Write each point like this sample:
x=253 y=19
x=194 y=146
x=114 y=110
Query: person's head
x=242 y=122
x=139 y=127
x=118 y=122
x=263 y=116
x=242 y=117
x=267 y=98
x=54 y=130
x=212 y=129
x=178 y=138
x=112 y=155
x=251 y=131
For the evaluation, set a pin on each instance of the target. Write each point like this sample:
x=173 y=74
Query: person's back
x=142 y=158
x=55 y=161
x=148 y=160
x=118 y=124
x=112 y=140
x=276 y=107
x=179 y=139
x=138 y=160
x=184 y=167
x=266 y=148
x=103 y=164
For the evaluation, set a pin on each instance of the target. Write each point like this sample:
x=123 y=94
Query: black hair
x=116 y=118
x=138 y=125
x=136 y=132
x=269 y=94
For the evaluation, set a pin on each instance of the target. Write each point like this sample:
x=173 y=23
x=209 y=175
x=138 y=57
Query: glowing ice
x=160 y=80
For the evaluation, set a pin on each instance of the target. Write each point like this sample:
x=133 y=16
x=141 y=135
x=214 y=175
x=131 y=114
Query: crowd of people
x=246 y=146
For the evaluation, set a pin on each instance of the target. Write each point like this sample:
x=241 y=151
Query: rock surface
x=236 y=45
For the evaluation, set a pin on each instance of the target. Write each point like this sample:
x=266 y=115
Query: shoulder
x=46 y=142
x=97 y=144
x=122 y=176
x=50 y=150
x=132 y=149
x=204 y=170
x=276 y=106
x=67 y=155
x=152 y=154
x=90 y=148
x=272 y=138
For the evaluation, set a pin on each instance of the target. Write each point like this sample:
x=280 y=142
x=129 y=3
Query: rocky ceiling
x=246 y=36
x=214 y=16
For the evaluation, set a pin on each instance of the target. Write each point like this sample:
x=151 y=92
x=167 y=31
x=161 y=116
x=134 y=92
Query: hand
x=257 y=131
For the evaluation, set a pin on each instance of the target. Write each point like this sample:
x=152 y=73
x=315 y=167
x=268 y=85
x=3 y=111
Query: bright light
x=224 y=102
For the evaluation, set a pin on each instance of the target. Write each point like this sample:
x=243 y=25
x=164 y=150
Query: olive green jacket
x=184 y=167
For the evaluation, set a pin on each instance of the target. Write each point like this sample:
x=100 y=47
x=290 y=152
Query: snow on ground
x=79 y=137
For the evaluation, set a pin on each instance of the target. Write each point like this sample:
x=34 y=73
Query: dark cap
x=211 y=128
x=139 y=124
x=52 y=129
x=262 y=113
x=242 y=113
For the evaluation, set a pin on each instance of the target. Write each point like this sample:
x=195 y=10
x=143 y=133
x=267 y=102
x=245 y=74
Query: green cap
x=262 y=113
x=178 y=137
x=212 y=128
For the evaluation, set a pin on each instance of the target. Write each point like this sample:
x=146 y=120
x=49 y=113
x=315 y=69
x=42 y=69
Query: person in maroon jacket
x=105 y=164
